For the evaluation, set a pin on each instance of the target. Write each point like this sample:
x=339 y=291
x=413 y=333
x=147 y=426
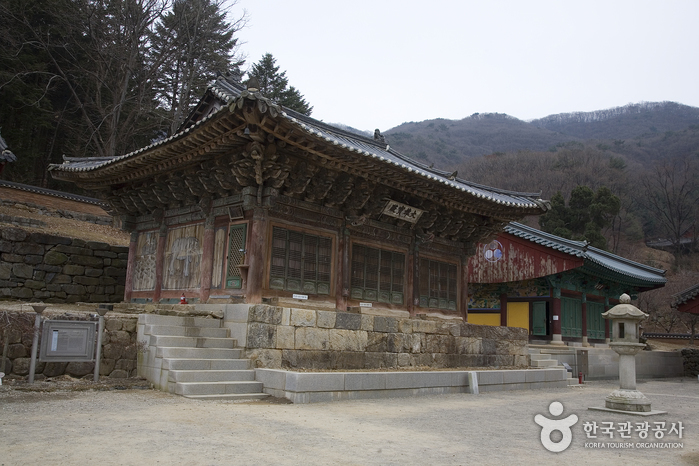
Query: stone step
x=231 y=397
x=217 y=388
x=544 y=363
x=156 y=319
x=573 y=381
x=206 y=364
x=211 y=376
x=179 y=331
x=198 y=353
x=191 y=342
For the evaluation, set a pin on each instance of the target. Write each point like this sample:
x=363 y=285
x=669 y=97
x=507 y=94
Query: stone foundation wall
x=690 y=357
x=288 y=338
x=119 y=349
x=53 y=269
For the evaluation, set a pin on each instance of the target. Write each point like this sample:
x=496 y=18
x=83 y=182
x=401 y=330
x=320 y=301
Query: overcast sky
x=377 y=64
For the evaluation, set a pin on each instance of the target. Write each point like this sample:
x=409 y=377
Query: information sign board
x=68 y=341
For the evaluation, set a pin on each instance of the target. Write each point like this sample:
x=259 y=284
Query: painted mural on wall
x=487 y=295
x=183 y=251
x=144 y=267
x=219 y=252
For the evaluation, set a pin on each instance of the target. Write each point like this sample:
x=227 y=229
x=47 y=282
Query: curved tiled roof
x=51 y=192
x=596 y=260
x=232 y=93
x=684 y=296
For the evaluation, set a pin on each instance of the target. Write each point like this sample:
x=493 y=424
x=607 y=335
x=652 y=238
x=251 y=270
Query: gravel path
x=150 y=427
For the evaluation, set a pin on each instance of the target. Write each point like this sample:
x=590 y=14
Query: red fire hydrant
x=580 y=378
x=183 y=300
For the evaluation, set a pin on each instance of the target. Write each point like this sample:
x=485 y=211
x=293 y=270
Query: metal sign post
x=101 y=310
x=38 y=308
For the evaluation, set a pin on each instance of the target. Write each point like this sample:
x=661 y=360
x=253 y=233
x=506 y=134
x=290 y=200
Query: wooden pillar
x=584 y=319
x=159 y=263
x=556 y=337
x=131 y=264
x=414 y=291
x=503 y=309
x=207 y=260
x=607 y=338
x=342 y=268
x=256 y=256
x=410 y=280
x=463 y=293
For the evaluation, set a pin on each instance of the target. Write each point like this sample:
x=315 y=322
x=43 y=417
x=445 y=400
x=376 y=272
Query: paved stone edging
x=314 y=387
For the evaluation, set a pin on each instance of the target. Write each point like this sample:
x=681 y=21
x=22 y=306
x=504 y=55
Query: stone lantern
x=625 y=324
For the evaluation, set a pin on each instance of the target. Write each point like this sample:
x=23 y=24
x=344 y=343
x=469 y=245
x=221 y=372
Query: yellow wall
x=484 y=319
x=518 y=315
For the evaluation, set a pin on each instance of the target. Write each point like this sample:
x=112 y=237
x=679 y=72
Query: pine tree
x=275 y=85
x=198 y=43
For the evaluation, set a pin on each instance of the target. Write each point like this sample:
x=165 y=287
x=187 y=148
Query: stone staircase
x=543 y=357
x=194 y=357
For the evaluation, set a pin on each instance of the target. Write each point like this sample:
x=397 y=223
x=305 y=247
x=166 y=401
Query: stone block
x=112 y=351
x=311 y=338
x=347 y=359
x=13 y=234
x=90 y=272
x=405 y=326
x=5 y=246
x=80 y=369
x=107 y=366
x=74 y=289
x=22 y=293
x=33 y=259
x=29 y=248
x=286 y=316
x=490 y=377
x=347 y=340
x=367 y=323
x=514 y=376
x=380 y=360
x=307 y=359
x=404 y=360
x=385 y=324
x=72 y=249
x=72 y=269
x=365 y=381
x=17 y=350
x=109 y=254
x=271 y=378
x=119 y=263
x=348 y=321
x=261 y=335
x=119 y=374
x=23 y=271
x=424 y=326
x=54 y=369
x=14 y=258
x=417 y=342
x=114 y=271
x=314 y=382
x=98 y=246
x=89 y=261
x=20 y=366
x=303 y=318
x=265 y=314
x=40 y=275
x=398 y=342
x=43 y=238
x=489 y=346
x=326 y=319
x=34 y=284
x=5 y=271
x=377 y=342
x=285 y=337
x=87 y=281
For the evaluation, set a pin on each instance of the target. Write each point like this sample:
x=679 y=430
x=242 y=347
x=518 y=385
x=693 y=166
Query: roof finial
x=253 y=84
x=378 y=136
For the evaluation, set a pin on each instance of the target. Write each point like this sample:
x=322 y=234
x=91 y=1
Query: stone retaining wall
x=54 y=269
x=119 y=349
x=690 y=357
x=277 y=337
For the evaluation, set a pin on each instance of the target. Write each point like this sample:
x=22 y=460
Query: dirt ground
x=139 y=426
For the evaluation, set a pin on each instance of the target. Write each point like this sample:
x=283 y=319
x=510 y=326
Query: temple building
x=555 y=288
x=250 y=202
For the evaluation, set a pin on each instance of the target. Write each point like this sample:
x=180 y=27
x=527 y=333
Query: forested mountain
x=448 y=142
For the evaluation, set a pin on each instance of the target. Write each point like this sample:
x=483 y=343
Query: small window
x=437 y=284
x=377 y=275
x=300 y=262
x=236 y=256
